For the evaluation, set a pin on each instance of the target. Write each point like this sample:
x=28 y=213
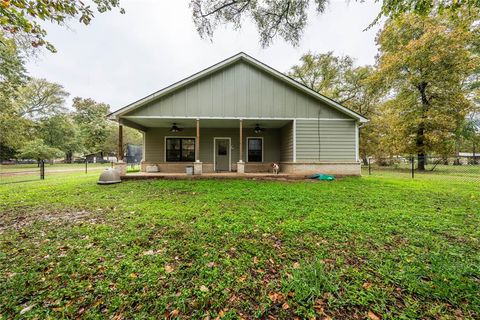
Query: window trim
x=246 y=147
x=175 y=137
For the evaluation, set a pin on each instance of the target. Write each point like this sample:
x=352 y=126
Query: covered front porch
x=214 y=145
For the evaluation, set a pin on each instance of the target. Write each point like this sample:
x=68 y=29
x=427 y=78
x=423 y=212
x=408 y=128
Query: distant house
x=242 y=115
x=98 y=157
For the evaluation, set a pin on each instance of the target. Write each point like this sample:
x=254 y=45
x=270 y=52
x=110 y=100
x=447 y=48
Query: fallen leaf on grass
x=133 y=275
x=296 y=265
x=285 y=306
x=367 y=285
x=118 y=316
x=26 y=309
x=221 y=314
x=204 y=288
x=372 y=316
x=175 y=313
x=275 y=296
x=150 y=252
x=168 y=268
x=255 y=260
x=211 y=264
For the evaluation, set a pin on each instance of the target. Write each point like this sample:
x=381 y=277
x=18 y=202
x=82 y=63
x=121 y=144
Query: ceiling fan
x=174 y=128
x=258 y=129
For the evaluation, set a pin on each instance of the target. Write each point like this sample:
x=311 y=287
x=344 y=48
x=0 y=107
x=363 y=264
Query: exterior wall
x=239 y=90
x=286 y=142
x=155 y=148
x=326 y=140
x=336 y=168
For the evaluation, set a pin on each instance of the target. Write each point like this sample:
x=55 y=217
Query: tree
x=287 y=18
x=38 y=150
x=326 y=74
x=13 y=128
x=338 y=79
x=22 y=16
x=40 y=98
x=424 y=62
x=91 y=118
x=60 y=132
x=130 y=136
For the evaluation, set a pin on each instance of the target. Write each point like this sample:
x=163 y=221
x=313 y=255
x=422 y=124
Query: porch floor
x=219 y=175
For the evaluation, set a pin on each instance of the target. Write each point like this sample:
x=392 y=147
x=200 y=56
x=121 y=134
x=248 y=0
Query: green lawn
x=382 y=246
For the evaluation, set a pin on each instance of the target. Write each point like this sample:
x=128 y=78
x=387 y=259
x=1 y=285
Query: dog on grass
x=275 y=167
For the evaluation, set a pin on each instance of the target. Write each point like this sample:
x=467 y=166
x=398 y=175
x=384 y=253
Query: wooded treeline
x=421 y=96
x=35 y=122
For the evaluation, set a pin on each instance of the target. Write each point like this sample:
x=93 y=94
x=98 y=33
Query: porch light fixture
x=258 y=129
x=174 y=128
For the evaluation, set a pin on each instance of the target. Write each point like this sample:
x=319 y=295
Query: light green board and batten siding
x=317 y=132
x=326 y=140
x=238 y=90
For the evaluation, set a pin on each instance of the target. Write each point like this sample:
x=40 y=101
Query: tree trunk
x=365 y=160
x=68 y=157
x=420 y=144
x=420 y=138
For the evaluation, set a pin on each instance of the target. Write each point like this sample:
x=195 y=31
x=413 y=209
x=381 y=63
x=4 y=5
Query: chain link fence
x=450 y=167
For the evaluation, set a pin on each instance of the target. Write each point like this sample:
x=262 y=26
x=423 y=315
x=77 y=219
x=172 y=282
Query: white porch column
x=240 y=163
x=197 y=142
x=197 y=165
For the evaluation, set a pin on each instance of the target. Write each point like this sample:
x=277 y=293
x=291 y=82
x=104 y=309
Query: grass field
x=378 y=247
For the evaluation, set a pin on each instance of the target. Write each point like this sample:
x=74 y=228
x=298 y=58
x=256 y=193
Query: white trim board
x=246 y=58
x=229 y=152
x=357 y=142
x=232 y=118
x=294 y=134
x=246 y=148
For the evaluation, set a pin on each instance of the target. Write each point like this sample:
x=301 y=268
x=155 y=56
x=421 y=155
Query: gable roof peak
x=223 y=64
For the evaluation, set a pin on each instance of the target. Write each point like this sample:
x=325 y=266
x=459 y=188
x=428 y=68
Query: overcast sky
x=120 y=58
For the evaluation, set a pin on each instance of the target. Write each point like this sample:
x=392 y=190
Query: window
x=180 y=149
x=222 y=148
x=255 y=149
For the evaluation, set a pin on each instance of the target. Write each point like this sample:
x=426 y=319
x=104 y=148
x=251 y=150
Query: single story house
x=241 y=115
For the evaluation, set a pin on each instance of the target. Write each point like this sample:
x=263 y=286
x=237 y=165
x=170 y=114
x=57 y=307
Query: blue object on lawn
x=323 y=177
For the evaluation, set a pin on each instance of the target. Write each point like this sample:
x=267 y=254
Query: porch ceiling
x=207 y=123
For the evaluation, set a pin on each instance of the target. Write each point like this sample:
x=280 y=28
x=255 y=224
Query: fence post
x=86 y=165
x=111 y=163
x=413 y=167
x=42 y=170
x=369 y=167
